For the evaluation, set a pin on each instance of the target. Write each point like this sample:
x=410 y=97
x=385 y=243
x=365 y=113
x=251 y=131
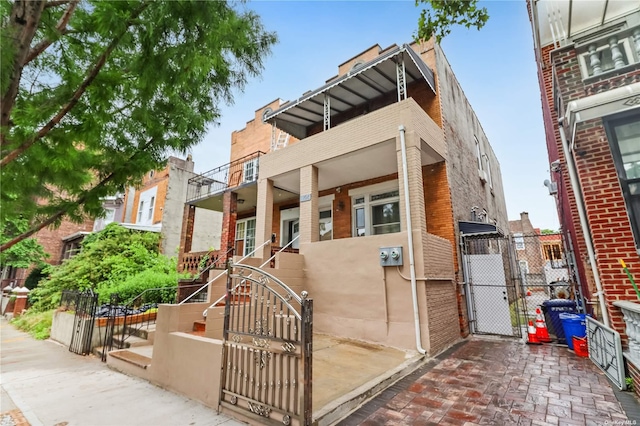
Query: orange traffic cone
x=533 y=338
x=541 y=328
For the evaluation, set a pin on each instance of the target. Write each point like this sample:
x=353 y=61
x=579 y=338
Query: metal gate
x=507 y=278
x=266 y=364
x=85 y=315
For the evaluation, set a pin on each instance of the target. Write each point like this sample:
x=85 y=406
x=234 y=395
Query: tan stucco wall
x=182 y=362
x=366 y=301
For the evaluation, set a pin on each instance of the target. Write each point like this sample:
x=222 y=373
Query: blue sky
x=495 y=67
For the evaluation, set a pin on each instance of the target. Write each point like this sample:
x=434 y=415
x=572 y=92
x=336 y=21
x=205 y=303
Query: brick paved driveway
x=499 y=382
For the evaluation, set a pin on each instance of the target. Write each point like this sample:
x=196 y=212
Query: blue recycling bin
x=573 y=325
x=552 y=310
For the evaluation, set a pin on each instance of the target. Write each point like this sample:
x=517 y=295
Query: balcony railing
x=231 y=175
x=631 y=314
x=611 y=53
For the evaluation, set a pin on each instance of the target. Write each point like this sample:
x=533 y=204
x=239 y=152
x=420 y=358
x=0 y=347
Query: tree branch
x=93 y=73
x=56 y=3
x=22 y=27
x=61 y=29
x=80 y=200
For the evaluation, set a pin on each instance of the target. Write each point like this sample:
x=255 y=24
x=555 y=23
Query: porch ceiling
x=367 y=163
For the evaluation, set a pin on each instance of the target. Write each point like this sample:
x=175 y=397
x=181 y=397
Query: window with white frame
x=250 y=170
x=325 y=212
x=376 y=209
x=518 y=239
x=147 y=205
x=478 y=153
x=100 y=223
x=245 y=236
x=488 y=169
x=151 y=205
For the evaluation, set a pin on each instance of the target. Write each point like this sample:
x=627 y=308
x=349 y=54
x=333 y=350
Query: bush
x=34 y=277
x=38 y=324
x=145 y=280
x=107 y=260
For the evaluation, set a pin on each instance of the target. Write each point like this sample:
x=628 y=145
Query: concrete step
x=134 y=358
x=129 y=342
x=145 y=332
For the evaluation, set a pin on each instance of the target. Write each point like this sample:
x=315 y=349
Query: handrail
x=224 y=272
x=211 y=265
x=279 y=251
x=238 y=285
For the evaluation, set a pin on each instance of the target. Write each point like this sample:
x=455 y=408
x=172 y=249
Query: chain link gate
x=83 y=322
x=508 y=277
x=266 y=364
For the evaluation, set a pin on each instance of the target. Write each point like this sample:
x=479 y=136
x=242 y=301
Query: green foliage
x=108 y=260
x=118 y=87
x=629 y=383
x=440 y=15
x=549 y=231
x=160 y=286
x=38 y=324
x=23 y=254
x=35 y=276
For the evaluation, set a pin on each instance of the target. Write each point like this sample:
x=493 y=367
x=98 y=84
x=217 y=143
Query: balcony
x=631 y=314
x=609 y=54
x=206 y=190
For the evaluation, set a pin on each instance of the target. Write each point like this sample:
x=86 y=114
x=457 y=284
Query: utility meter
x=391 y=256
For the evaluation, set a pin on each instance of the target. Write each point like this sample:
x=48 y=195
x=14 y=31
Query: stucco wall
x=366 y=301
x=207 y=229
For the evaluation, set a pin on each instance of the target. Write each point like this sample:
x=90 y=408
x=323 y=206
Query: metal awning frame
x=365 y=75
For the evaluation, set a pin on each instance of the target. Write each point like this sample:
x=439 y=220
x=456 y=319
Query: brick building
x=388 y=153
x=588 y=57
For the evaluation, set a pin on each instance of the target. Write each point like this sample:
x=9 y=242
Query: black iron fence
x=84 y=305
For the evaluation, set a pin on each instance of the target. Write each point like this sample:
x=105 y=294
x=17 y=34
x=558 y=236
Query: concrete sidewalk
x=51 y=386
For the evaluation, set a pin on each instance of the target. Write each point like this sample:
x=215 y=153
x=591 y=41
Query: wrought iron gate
x=85 y=315
x=508 y=277
x=266 y=364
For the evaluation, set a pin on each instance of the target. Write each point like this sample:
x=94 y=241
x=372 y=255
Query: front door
x=295 y=232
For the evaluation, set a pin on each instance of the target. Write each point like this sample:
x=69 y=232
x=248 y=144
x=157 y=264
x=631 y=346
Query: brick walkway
x=498 y=382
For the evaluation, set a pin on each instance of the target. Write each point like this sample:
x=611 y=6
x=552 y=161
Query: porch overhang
x=359 y=86
x=603 y=104
x=475 y=229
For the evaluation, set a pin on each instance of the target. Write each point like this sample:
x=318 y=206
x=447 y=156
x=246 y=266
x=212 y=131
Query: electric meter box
x=390 y=256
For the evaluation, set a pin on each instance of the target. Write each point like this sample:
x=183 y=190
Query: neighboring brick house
x=588 y=60
x=56 y=242
x=157 y=205
x=540 y=256
x=326 y=175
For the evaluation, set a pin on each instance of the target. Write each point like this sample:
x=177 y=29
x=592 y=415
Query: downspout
x=577 y=192
x=412 y=265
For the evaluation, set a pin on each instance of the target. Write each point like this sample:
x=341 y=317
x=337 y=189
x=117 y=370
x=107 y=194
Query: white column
x=309 y=219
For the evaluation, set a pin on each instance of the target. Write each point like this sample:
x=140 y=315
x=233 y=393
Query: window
x=100 y=223
x=326 y=225
x=624 y=137
x=140 y=209
x=151 y=204
x=478 y=153
x=147 y=205
x=250 y=170
x=488 y=169
x=518 y=239
x=376 y=212
x=245 y=236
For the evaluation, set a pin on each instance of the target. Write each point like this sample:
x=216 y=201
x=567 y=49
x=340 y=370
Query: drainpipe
x=412 y=266
x=577 y=192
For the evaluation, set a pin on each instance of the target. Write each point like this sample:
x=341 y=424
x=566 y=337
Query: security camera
x=555 y=166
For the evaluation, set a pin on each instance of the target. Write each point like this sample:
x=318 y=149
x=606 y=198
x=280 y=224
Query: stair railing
x=204 y=314
x=224 y=272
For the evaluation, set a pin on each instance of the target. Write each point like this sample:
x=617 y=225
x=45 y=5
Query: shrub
x=38 y=324
x=107 y=260
x=34 y=277
x=145 y=280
